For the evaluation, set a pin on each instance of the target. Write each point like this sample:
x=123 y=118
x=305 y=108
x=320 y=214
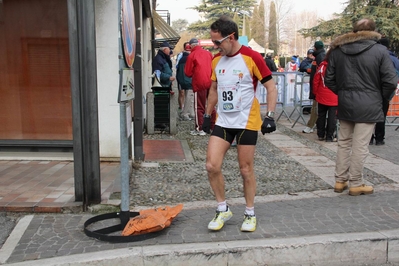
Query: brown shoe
x=363 y=189
x=340 y=186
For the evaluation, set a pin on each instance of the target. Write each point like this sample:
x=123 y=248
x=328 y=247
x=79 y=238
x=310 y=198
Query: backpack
x=184 y=81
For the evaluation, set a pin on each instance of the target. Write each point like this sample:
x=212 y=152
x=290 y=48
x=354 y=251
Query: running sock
x=222 y=206
x=250 y=211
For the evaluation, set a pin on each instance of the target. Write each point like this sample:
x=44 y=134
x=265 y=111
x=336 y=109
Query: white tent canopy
x=255 y=46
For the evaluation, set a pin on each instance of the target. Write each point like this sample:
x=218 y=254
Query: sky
x=178 y=8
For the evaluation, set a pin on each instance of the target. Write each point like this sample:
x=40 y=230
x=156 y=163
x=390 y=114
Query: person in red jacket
x=327 y=104
x=198 y=67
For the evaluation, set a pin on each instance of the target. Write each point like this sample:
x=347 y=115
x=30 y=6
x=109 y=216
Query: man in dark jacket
x=319 y=53
x=163 y=63
x=270 y=62
x=379 y=132
x=361 y=73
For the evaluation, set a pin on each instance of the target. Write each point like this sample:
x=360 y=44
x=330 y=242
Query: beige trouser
x=313 y=115
x=353 y=148
x=188 y=108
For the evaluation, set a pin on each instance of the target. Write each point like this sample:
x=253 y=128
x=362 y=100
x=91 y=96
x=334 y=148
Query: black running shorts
x=243 y=136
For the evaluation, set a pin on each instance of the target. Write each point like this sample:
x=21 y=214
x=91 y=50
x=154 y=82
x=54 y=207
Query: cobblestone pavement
x=295 y=198
x=61 y=234
x=276 y=172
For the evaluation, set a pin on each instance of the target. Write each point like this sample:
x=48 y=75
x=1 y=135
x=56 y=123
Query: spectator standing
x=185 y=85
x=291 y=66
x=277 y=61
x=198 y=67
x=306 y=64
x=236 y=70
x=361 y=73
x=163 y=63
x=297 y=61
x=181 y=97
x=270 y=63
x=319 y=53
x=327 y=102
x=379 y=131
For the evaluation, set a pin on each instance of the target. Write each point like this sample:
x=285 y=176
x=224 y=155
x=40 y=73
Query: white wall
x=108 y=41
x=147 y=60
x=108 y=77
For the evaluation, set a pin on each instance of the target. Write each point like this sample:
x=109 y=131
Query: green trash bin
x=161 y=108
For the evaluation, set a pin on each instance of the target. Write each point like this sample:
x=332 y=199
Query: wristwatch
x=270 y=114
x=207 y=116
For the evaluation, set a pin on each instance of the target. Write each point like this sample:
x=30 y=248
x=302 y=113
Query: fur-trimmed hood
x=354 y=43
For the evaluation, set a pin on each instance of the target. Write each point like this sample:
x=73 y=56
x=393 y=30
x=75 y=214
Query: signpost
x=126 y=95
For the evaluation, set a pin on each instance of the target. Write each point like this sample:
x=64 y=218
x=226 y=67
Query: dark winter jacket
x=163 y=63
x=184 y=81
x=306 y=65
x=361 y=73
x=394 y=59
x=270 y=64
x=319 y=55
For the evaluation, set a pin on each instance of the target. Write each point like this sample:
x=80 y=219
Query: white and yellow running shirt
x=237 y=77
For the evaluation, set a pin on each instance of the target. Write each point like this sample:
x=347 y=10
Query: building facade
x=36 y=94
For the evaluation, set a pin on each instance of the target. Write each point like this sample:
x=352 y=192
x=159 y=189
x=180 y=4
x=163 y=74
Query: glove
x=206 y=125
x=268 y=125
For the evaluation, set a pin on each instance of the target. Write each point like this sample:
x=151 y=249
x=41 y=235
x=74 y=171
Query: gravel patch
x=172 y=183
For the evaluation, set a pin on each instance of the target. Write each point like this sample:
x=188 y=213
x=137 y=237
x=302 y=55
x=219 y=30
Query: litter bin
x=161 y=108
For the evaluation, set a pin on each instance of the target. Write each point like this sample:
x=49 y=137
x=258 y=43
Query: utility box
x=162 y=110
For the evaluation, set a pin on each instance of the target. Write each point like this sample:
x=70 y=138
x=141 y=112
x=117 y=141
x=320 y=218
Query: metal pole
x=138 y=122
x=124 y=215
x=124 y=144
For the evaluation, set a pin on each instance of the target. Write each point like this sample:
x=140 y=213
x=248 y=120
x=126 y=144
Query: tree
x=283 y=10
x=246 y=24
x=213 y=9
x=385 y=13
x=258 y=24
x=273 y=39
x=180 y=25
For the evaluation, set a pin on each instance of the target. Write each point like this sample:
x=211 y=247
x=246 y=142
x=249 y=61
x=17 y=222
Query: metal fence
x=293 y=91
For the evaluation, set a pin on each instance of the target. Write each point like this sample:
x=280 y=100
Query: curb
x=372 y=248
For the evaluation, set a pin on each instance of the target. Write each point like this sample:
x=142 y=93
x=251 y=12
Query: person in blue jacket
x=163 y=63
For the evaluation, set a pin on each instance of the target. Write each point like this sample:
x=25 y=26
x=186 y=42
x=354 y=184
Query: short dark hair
x=365 y=24
x=225 y=26
x=385 y=42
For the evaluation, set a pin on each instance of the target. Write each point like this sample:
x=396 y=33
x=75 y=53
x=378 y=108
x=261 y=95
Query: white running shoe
x=185 y=117
x=307 y=130
x=249 y=224
x=219 y=220
x=197 y=133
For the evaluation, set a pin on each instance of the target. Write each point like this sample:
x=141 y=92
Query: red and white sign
x=207 y=42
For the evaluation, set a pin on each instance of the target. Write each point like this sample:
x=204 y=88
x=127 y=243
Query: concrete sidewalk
x=307 y=228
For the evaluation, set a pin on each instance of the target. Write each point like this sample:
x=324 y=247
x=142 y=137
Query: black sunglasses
x=219 y=42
